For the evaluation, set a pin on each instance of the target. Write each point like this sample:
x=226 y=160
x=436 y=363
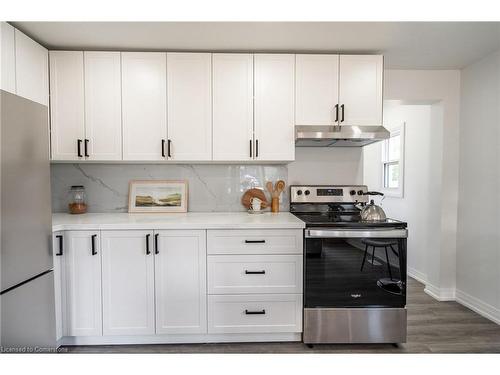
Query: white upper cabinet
x=144 y=105
x=317 y=89
x=128 y=282
x=103 y=111
x=232 y=76
x=67 y=117
x=180 y=274
x=274 y=87
x=8 y=56
x=189 y=103
x=32 y=73
x=360 y=89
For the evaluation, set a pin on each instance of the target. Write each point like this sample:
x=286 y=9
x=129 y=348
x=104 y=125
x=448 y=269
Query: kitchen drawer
x=263 y=313
x=255 y=241
x=241 y=274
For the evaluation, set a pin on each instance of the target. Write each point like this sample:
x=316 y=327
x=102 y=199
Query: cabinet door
x=232 y=76
x=274 y=107
x=317 y=89
x=82 y=314
x=180 y=274
x=360 y=92
x=189 y=96
x=103 y=107
x=32 y=71
x=67 y=105
x=127 y=283
x=58 y=254
x=8 y=56
x=144 y=105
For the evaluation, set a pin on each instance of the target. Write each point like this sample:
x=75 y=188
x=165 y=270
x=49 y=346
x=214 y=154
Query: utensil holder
x=275 y=204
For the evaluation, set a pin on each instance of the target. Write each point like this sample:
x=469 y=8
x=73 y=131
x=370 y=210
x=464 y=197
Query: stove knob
x=307 y=192
x=299 y=192
x=352 y=192
x=360 y=192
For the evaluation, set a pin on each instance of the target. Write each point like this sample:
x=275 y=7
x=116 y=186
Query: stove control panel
x=328 y=194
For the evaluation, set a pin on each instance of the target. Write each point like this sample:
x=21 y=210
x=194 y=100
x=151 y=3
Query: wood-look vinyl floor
x=433 y=327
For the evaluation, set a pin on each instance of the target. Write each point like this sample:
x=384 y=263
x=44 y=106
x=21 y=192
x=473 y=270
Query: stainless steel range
x=354 y=270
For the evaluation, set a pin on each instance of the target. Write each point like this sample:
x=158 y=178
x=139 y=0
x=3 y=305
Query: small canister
x=77 y=200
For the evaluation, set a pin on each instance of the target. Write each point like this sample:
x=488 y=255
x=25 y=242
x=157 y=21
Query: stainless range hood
x=339 y=136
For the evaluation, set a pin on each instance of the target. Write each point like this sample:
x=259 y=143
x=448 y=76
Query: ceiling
x=406 y=45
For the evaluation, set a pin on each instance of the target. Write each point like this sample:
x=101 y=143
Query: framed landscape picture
x=157 y=196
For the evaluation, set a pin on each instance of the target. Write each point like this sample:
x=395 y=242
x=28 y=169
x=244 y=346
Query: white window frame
x=399 y=191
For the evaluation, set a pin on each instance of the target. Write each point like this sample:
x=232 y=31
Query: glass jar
x=77 y=200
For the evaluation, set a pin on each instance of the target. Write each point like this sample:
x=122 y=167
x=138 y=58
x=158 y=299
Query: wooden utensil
x=246 y=199
x=269 y=186
x=280 y=186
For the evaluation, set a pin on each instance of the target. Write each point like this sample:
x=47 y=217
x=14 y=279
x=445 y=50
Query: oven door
x=350 y=268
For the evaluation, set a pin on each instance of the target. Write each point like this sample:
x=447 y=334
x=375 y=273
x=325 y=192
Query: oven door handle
x=355 y=233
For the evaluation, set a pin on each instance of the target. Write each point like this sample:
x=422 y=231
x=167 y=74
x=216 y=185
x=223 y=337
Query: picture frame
x=157 y=196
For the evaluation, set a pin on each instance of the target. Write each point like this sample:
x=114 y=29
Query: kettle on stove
x=372 y=212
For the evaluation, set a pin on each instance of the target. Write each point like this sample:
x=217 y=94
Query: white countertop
x=189 y=220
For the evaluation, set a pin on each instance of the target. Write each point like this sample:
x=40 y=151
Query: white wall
x=443 y=87
x=326 y=165
x=422 y=182
x=478 y=241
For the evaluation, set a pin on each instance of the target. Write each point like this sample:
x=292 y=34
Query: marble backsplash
x=212 y=188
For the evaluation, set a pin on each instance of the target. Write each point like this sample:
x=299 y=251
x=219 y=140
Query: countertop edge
x=221 y=220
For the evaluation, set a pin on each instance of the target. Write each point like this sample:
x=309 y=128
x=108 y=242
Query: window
x=392 y=163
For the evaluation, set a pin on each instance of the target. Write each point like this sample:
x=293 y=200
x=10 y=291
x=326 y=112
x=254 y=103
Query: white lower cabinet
x=180 y=280
x=128 y=283
x=260 y=313
x=140 y=286
x=81 y=286
x=57 y=253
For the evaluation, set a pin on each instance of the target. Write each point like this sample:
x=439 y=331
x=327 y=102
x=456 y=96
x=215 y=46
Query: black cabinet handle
x=336 y=113
x=255 y=241
x=147 y=244
x=163 y=148
x=93 y=237
x=250 y=148
x=60 y=238
x=79 y=147
x=169 y=148
x=86 y=148
x=342 y=108
x=263 y=272
x=249 y=312
x=256 y=148
x=157 y=250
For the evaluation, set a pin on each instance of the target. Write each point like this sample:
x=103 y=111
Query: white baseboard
x=475 y=304
x=417 y=275
x=440 y=294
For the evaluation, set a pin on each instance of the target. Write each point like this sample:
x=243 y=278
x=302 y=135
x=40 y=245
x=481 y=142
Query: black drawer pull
x=247 y=272
x=255 y=241
x=248 y=312
x=147 y=244
x=79 y=147
x=60 y=238
x=86 y=144
x=163 y=148
x=94 y=251
x=157 y=250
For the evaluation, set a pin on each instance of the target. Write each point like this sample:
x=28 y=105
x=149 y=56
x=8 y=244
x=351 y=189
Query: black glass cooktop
x=344 y=220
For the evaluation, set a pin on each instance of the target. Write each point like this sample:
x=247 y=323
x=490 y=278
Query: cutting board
x=251 y=193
